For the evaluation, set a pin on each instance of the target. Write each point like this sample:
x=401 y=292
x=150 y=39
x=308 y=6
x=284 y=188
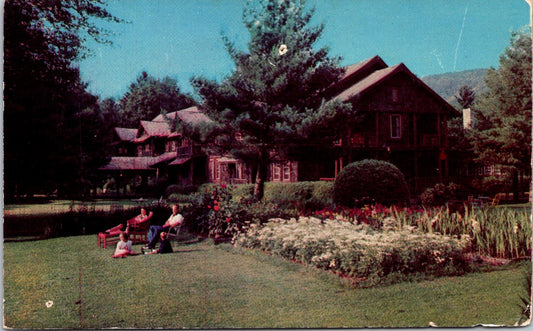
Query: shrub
x=302 y=195
x=215 y=212
x=492 y=185
x=439 y=195
x=370 y=181
x=180 y=189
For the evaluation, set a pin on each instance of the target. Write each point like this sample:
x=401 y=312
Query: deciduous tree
x=43 y=90
x=148 y=97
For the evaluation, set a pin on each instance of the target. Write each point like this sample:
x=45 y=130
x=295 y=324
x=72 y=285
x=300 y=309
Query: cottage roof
x=180 y=160
x=380 y=76
x=191 y=115
x=153 y=128
x=375 y=61
x=137 y=162
x=126 y=134
x=369 y=81
x=129 y=163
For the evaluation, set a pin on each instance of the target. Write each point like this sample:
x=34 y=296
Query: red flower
x=216 y=208
x=228 y=219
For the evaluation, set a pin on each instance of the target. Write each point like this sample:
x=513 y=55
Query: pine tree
x=466 y=96
x=502 y=135
x=273 y=99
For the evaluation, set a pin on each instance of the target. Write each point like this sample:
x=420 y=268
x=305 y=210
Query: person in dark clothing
x=164 y=246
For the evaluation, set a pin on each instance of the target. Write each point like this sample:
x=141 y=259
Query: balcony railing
x=372 y=140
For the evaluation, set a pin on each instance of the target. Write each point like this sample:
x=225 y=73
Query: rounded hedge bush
x=370 y=181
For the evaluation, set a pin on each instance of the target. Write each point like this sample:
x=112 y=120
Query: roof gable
x=368 y=82
x=368 y=65
x=126 y=134
x=191 y=115
x=152 y=128
x=380 y=76
x=355 y=73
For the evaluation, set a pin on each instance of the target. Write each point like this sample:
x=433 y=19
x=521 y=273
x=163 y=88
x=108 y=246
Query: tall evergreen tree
x=43 y=90
x=502 y=135
x=466 y=96
x=149 y=97
x=273 y=99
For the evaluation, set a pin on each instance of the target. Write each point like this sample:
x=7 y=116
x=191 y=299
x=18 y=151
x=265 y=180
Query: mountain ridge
x=447 y=85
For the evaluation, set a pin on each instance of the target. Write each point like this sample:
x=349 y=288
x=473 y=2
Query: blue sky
x=182 y=38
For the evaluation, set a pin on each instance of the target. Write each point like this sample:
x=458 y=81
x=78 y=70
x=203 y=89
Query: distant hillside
x=448 y=85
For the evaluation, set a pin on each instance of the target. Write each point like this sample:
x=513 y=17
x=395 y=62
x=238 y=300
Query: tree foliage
x=43 y=90
x=502 y=134
x=273 y=99
x=148 y=97
x=466 y=96
x=370 y=181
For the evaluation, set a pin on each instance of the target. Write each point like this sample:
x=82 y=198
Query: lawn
x=71 y=283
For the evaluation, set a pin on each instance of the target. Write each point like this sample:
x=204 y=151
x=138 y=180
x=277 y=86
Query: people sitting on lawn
x=123 y=246
x=136 y=220
x=164 y=246
x=155 y=230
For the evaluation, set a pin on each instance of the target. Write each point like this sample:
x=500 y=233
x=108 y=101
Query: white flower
x=282 y=49
x=49 y=304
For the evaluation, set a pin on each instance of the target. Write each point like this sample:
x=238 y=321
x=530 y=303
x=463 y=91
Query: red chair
x=138 y=229
x=109 y=236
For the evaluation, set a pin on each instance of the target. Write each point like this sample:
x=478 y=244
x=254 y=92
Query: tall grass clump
x=358 y=251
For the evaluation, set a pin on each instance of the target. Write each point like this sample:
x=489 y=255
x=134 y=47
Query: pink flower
x=228 y=219
x=209 y=207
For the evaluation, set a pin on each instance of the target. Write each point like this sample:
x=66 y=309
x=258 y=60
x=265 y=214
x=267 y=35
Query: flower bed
x=497 y=232
x=358 y=251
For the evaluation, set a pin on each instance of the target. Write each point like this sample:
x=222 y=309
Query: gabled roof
x=129 y=163
x=137 y=162
x=191 y=115
x=180 y=160
x=152 y=129
x=376 y=62
x=126 y=134
x=355 y=73
x=369 y=81
x=382 y=75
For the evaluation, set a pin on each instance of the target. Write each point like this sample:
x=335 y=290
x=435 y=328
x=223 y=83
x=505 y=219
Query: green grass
x=206 y=286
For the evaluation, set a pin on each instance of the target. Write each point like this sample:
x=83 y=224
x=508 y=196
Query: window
x=395 y=126
x=239 y=171
x=286 y=172
x=213 y=170
x=276 y=172
x=395 y=94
